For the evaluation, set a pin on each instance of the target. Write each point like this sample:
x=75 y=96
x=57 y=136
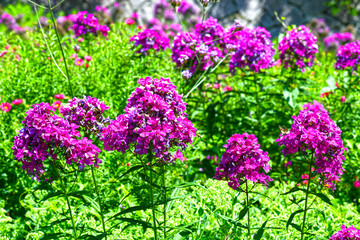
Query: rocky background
x=250 y=12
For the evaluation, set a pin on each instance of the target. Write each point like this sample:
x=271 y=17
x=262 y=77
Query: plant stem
x=165 y=200
x=68 y=204
x=150 y=156
x=99 y=200
x=248 y=210
x=306 y=198
x=62 y=51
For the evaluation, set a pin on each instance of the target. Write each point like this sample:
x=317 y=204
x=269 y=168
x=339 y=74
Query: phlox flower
x=315 y=131
x=298 y=48
x=350 y=233
x=5 y=106
x=154 y=121
x=3 y=53
x=343 y=99
x=243 y=160
x=357 y=184
x=150 y=39
x=348 y=56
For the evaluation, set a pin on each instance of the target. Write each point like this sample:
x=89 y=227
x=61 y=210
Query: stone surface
x=250 y=12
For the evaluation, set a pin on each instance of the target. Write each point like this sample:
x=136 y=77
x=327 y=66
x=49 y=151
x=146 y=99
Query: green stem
x=248 y=208
x=150 y=156
x=306 y=198
x=62 y=51
x=165 y=200
x=99 y=200
x=68 y=204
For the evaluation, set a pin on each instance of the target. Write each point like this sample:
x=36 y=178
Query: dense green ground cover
x=200 y=207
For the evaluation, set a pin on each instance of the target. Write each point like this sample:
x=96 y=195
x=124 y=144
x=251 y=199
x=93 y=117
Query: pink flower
x=79 y=62
x=179 y=155
x=88 y=58
x=305 y=176
x=17 y=57
x=116 y=4
x=80 y=39
x=56 y=104
x=216 y=85
x=3 y=53
x=277 y=63
x=357 y=184
x=134 y=15
x=325 y=94
x=337 y=84
x=74 y=55
x=59 y=96
x=5 y=106
x=129 y=21
x=343 y=99
x=288 y=164
x=7 y=47
x=86 y=65
x=227 y=89
x=17 y=101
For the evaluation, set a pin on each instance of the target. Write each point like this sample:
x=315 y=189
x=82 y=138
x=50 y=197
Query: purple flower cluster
x=46 y=135
x=298 y=47
x=10 y=22
x=154 y=120
x=319 y=28
x=250 y=47
x=187 y=9
x=337 y=39
x=348 y=56
x=87 y=113
x=350 y=233
x=200 y=49
x=150 y=39
x=87 y=23
x=314 y=130
x=242 y=161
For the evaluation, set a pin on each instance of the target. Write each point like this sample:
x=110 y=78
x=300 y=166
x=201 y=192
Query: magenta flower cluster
x=348 y=56
x=298 y=48
x=314 y=130
x=350 y=233
x=154 y=120
x=46 y=136
x=243 y=160
x=337 y=39
x=88 y=23
x=200 y=49
x=87 y=113
x=10 y=23
x=150 y=39
x=249 y=47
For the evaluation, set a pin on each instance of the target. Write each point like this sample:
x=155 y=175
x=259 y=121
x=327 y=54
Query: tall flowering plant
x=46 y=139
x=242 y=162
x=315 y=135
x=154 y=124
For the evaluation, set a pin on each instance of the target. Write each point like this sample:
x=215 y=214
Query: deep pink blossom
x=350 y=233
x=315 y=131
x=5 y=106
x=17 y=101
x=335 y=40
x=59 y=96
x=348 y=56
x=3 y=53
x=150 y=39
x=298 y=48
x=129 y=21
x=87 y=23
x=243 y=160
x=154 y=120
x=79 y=61
x=343 y=99
x=88 y=58
x=56 y=104
x=357 y=184
x=45 y=137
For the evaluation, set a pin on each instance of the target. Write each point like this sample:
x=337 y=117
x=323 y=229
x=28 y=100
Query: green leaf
x=243 y=213
x=260 y=232
x=294 y=189
x=323 y=197
x=292 y=217
x=235 y=222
